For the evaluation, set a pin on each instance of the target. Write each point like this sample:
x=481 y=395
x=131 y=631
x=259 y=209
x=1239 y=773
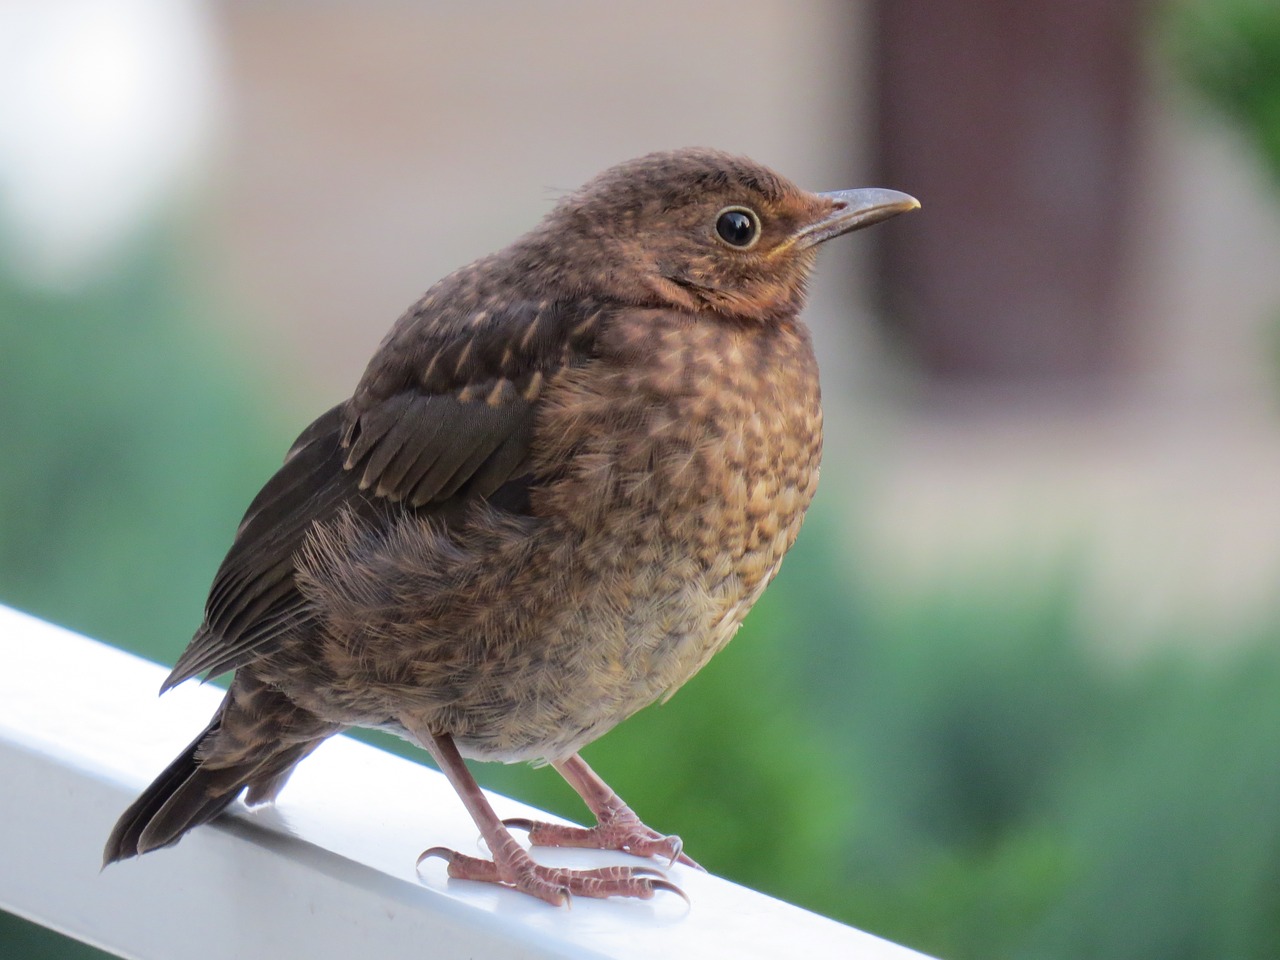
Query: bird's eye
x=738 y=227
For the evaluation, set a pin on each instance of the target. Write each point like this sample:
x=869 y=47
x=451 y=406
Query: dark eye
x=738 y=227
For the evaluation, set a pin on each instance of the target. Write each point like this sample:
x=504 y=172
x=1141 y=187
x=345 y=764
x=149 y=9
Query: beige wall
x=374 y=147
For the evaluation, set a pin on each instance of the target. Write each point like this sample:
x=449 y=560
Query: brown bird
x=566 y=475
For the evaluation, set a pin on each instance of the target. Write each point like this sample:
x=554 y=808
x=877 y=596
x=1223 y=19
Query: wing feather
x=444 y=414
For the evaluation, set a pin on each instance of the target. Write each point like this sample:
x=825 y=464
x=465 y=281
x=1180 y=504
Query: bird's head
x=703 y=230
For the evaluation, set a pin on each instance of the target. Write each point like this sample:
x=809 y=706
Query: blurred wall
x=1019 y=118
x=375 y=147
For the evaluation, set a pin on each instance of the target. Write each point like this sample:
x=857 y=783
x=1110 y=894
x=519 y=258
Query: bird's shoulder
x=448 y=402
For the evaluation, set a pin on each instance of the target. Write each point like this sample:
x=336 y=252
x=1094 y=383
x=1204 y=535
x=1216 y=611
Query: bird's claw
x=444 y=853
x=668 y=885
x=556 y=885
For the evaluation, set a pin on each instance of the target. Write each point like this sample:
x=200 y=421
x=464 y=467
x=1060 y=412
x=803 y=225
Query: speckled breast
x=682 y=474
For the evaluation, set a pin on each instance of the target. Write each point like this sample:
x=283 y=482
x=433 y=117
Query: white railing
x=328 y=872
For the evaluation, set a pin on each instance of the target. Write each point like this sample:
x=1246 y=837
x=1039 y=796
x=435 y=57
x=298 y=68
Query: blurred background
x=1015 y=692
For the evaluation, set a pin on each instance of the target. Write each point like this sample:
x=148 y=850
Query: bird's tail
x=235 y=751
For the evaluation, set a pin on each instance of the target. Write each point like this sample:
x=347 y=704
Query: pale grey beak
x=854 y=210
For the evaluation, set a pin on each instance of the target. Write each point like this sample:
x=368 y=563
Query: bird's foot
x=617 y=830
x=555 y=885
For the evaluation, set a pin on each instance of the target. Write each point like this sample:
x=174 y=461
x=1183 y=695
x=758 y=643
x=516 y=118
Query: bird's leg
x=617 y=826
x=511 y=864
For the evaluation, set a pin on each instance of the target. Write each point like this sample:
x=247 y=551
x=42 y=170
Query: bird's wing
x=444 y=414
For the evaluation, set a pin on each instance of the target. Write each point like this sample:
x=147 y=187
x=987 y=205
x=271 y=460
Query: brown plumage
x=566 y=475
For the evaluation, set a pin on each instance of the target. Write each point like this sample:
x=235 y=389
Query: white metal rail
x=328 y=872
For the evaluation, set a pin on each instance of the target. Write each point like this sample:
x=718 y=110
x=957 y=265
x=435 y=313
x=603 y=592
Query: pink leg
x=511 y=864
x=617 y=827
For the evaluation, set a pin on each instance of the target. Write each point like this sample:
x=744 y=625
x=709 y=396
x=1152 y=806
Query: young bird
x=566 y=475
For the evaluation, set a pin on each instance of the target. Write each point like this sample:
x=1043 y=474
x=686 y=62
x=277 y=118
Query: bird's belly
x=659 y=572
x=603 y=661
x=652 y=605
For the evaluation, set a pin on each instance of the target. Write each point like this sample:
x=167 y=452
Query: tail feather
x=214 y=769
x=175 y=802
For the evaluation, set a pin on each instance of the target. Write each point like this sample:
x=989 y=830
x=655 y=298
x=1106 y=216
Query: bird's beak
x=855 y=209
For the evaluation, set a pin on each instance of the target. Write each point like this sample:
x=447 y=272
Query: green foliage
x=131 y=447
x=1025 y=798
x=1230 y=51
